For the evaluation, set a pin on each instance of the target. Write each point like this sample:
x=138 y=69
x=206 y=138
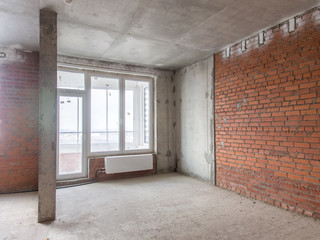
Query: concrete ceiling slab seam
x=168 y=33
x=238 y=22
x=166 y=21
x=72 y=39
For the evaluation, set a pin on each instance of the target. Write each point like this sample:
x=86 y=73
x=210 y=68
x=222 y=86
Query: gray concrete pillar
x=47 y=116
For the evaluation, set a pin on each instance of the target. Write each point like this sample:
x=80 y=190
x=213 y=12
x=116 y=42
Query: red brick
x=291 y=88
x=301 y=107
x=283 y=152
x=302 y=145
x=309 y=112
x=281 y=174
x=313 y=180
x=19 y=128
x=311 y=117
x=292 y=113
x=306 y=96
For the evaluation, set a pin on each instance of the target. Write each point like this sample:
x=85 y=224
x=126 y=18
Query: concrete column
x=47 y=116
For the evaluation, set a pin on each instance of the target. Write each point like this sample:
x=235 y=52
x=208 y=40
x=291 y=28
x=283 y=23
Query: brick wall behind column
x=267 y=107
x=19 y=122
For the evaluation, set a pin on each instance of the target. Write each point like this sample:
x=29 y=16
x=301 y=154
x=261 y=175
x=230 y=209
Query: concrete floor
x=168 y=206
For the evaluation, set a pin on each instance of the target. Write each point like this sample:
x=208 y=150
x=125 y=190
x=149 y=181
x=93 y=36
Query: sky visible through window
x=104 y=115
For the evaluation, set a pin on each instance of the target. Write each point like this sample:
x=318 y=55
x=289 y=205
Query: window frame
x=91 y=74
x=151 y=125
x=73 y=93
x=73 y=70
x=122 y=78
x=86 y=93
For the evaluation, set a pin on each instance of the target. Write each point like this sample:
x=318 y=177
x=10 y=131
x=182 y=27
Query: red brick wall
x=19 y=122
x=267 y=109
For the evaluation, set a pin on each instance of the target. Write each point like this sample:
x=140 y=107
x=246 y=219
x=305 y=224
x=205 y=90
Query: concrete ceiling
x=160 y=33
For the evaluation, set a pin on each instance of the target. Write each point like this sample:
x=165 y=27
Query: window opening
x=115 y=111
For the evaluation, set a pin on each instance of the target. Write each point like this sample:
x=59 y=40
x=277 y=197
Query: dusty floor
x=168 y=206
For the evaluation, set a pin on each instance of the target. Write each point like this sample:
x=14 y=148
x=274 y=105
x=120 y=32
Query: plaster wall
x=194 y=117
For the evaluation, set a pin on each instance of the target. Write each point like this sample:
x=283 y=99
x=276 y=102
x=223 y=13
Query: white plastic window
x=137 y=115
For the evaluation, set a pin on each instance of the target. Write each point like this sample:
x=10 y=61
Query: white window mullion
x=84 y=133
x=107 y=122
x=136 y=117
x=152 y=122
x=87 y=115
x=122 y=115
x=142 y=115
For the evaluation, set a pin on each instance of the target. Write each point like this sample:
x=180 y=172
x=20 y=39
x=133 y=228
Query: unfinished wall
x=19 y=111
x=164 y=115
x=267 y=109
x=165 y=120
x=194 y=120
x=19 y=107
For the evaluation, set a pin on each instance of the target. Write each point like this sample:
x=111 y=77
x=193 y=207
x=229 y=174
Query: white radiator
x=128 y=163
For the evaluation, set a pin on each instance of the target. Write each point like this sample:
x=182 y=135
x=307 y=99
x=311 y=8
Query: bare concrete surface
x=167 y=206
x=195 y=129
x=47 y=115
x=166 y=34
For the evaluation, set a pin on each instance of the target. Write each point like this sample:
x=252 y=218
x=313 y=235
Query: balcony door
x=71 y=157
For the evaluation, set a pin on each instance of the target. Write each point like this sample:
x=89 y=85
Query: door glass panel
x=137 y=115
x=105 y=111
x=70 y=135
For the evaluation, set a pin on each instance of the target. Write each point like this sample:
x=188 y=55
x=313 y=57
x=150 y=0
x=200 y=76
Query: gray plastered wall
x=165 y=118
x=195 y=120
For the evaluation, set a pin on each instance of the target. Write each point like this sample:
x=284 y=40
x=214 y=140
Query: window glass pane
x=137 y=115
x=129 y=117
x=146 y=116
x=70 y=135
x=70 y=80
x=105 y=109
